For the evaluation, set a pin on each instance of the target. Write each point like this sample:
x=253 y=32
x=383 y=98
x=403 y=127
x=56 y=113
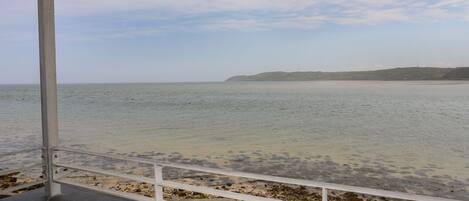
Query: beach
x=255 y=188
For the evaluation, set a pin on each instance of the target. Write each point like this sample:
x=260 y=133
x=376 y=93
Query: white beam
x=50 y=135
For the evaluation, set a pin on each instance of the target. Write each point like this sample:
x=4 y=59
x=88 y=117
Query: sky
x=100 y=41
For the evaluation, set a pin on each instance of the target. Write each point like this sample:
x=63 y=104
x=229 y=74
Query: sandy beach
x=320 y=169
x=257 y=188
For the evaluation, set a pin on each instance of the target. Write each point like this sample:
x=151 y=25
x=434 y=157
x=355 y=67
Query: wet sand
x=372 y=174
x=363 y=172
x=256 y=188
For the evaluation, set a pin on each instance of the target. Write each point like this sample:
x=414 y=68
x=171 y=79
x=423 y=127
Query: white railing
x=10 y=190
x=5 y=154
x=159 y=182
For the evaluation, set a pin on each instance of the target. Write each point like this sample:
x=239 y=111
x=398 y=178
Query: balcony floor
x=69 y=194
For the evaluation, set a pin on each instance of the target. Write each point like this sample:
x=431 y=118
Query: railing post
x=158 y=182
x=47 y=63
x=324 y=194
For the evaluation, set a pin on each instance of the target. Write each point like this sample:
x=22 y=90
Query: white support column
x=158 y=182
x=324 y=194
x=50 y=135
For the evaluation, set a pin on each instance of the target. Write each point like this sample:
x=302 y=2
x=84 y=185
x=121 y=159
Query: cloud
x=292 y=21
x=78 y=7
x=132 y=18
x=359 y=11
x=449 y=3
x=376 y=17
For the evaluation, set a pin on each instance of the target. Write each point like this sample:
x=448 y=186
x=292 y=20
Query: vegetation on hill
x=411 y=73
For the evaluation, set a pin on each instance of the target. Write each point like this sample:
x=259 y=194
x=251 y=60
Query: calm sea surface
x=409 y=136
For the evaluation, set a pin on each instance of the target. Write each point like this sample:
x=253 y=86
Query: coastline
x=391 y=74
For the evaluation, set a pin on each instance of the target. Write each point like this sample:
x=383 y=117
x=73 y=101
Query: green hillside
x=411 y=73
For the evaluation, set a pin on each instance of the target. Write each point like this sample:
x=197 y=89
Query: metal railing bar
x=301 y=182
x=158 y=179
x=19 y=169
x=211 y=191
x=171 y=184
x=124 y=158
x=20 y=151
x=104 y=190
x=324 y=194
x=63 y=174
x=308 y=183
x=19 y=187
x=108 y=172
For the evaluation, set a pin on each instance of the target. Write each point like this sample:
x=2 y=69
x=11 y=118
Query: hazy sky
x=210 y=40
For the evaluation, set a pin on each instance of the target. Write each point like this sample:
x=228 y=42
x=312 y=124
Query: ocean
x=407 y=136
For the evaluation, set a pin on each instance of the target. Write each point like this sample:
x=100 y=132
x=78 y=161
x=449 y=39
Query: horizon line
x=221 y=81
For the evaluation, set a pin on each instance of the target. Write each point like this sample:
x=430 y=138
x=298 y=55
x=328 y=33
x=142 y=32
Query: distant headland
x=409 y=73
